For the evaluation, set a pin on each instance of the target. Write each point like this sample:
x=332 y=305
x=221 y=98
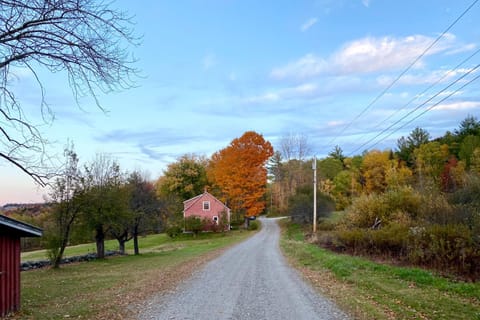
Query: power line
x=428 y=109
x=415 y=98
x=403 y=72
x=428 y=88
x=418 y=107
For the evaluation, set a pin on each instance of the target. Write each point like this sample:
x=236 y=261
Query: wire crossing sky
x=410 y=66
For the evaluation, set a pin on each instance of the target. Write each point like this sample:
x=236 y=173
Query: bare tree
x=294 y=146
x=87 y=39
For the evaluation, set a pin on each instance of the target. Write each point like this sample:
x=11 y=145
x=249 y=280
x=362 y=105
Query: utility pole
x=314 y=167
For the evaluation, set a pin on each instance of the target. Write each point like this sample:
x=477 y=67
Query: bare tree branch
x=87 y=39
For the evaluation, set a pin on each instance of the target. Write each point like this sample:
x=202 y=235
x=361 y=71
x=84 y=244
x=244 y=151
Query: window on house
x=215 y=219
x=206 y=205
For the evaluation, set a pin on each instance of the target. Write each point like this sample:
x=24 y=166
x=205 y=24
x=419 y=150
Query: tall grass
x=371 y=290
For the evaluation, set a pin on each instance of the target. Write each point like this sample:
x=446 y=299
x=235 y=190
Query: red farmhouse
x=207 y=207
x=10 y=233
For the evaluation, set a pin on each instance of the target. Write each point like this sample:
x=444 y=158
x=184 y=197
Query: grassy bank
x=112 y=288
x=370 y=290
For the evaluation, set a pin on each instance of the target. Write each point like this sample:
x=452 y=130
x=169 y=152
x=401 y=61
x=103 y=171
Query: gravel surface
x=249 y=281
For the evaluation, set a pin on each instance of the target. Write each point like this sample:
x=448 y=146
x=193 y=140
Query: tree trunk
x=63 y=245
x=247 y=222
x=135 y=241
x=99 y=239
x=121 y=245
x=58 y=258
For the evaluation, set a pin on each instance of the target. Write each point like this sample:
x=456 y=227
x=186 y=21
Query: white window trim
x=206 y=203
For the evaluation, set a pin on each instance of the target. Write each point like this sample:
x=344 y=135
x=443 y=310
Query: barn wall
x=9 y=274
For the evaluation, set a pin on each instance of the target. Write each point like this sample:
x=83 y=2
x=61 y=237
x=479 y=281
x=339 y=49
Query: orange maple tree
x=239 y=173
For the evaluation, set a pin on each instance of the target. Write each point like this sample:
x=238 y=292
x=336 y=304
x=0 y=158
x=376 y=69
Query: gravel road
x=249 y=281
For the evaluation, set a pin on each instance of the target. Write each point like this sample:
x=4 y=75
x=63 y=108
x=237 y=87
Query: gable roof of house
x=21 y=228
x=187 y=204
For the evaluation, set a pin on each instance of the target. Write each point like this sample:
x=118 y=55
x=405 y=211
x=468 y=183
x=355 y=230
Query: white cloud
x=379 y=54
x=365 y=55
x=306 y=67
x=308 y=24
x=455 y=106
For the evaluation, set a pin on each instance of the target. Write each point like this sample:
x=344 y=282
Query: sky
x=352 y=73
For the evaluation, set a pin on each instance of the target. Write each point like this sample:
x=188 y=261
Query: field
x=370 y=290
x=114 y=288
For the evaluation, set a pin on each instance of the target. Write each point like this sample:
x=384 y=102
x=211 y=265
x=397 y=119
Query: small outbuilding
x=209 y=208
x=11 y=231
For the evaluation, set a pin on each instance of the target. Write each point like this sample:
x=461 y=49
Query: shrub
x=194 y=224
x=365 y=209
x=254 y=225
x=174 y=231
x=448 y=247
x=389 y=241
x=435 y=209
x=402 y=202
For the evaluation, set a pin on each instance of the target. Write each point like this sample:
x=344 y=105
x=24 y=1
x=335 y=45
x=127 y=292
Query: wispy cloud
x=365 y=55
x=160 y=137
x=434 y=76
x=457 y=106
x=304 y=90
x=366 y=3
x=150 y=152
x=463 y=48
x=308 y=24
x=209 y=61
x=307 y=66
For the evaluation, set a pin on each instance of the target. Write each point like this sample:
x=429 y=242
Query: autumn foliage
x=239 y=174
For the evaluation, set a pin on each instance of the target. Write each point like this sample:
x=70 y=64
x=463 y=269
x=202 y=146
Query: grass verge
x=370 y=290
x=113 y=288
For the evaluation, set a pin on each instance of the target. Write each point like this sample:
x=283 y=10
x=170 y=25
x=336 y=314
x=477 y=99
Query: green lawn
x=370 y=290
x=147 y=244
x=105 y=289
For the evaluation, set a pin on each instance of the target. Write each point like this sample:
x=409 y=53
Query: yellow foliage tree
x=374 y=168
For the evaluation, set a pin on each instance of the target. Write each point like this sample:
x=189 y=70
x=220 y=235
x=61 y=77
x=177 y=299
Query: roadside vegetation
x=371 y=290
x=113 y=288
x=417 y=205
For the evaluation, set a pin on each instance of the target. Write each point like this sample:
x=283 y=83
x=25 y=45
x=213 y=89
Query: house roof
x=21 y=228
x=190 y=202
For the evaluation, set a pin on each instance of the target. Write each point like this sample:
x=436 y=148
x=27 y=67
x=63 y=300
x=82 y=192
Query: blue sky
x=213 y=69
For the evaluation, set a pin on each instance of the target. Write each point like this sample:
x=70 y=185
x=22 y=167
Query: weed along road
x=249 y=281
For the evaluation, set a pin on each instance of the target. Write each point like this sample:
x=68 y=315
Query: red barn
x=206 y=206
x=10 y=233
